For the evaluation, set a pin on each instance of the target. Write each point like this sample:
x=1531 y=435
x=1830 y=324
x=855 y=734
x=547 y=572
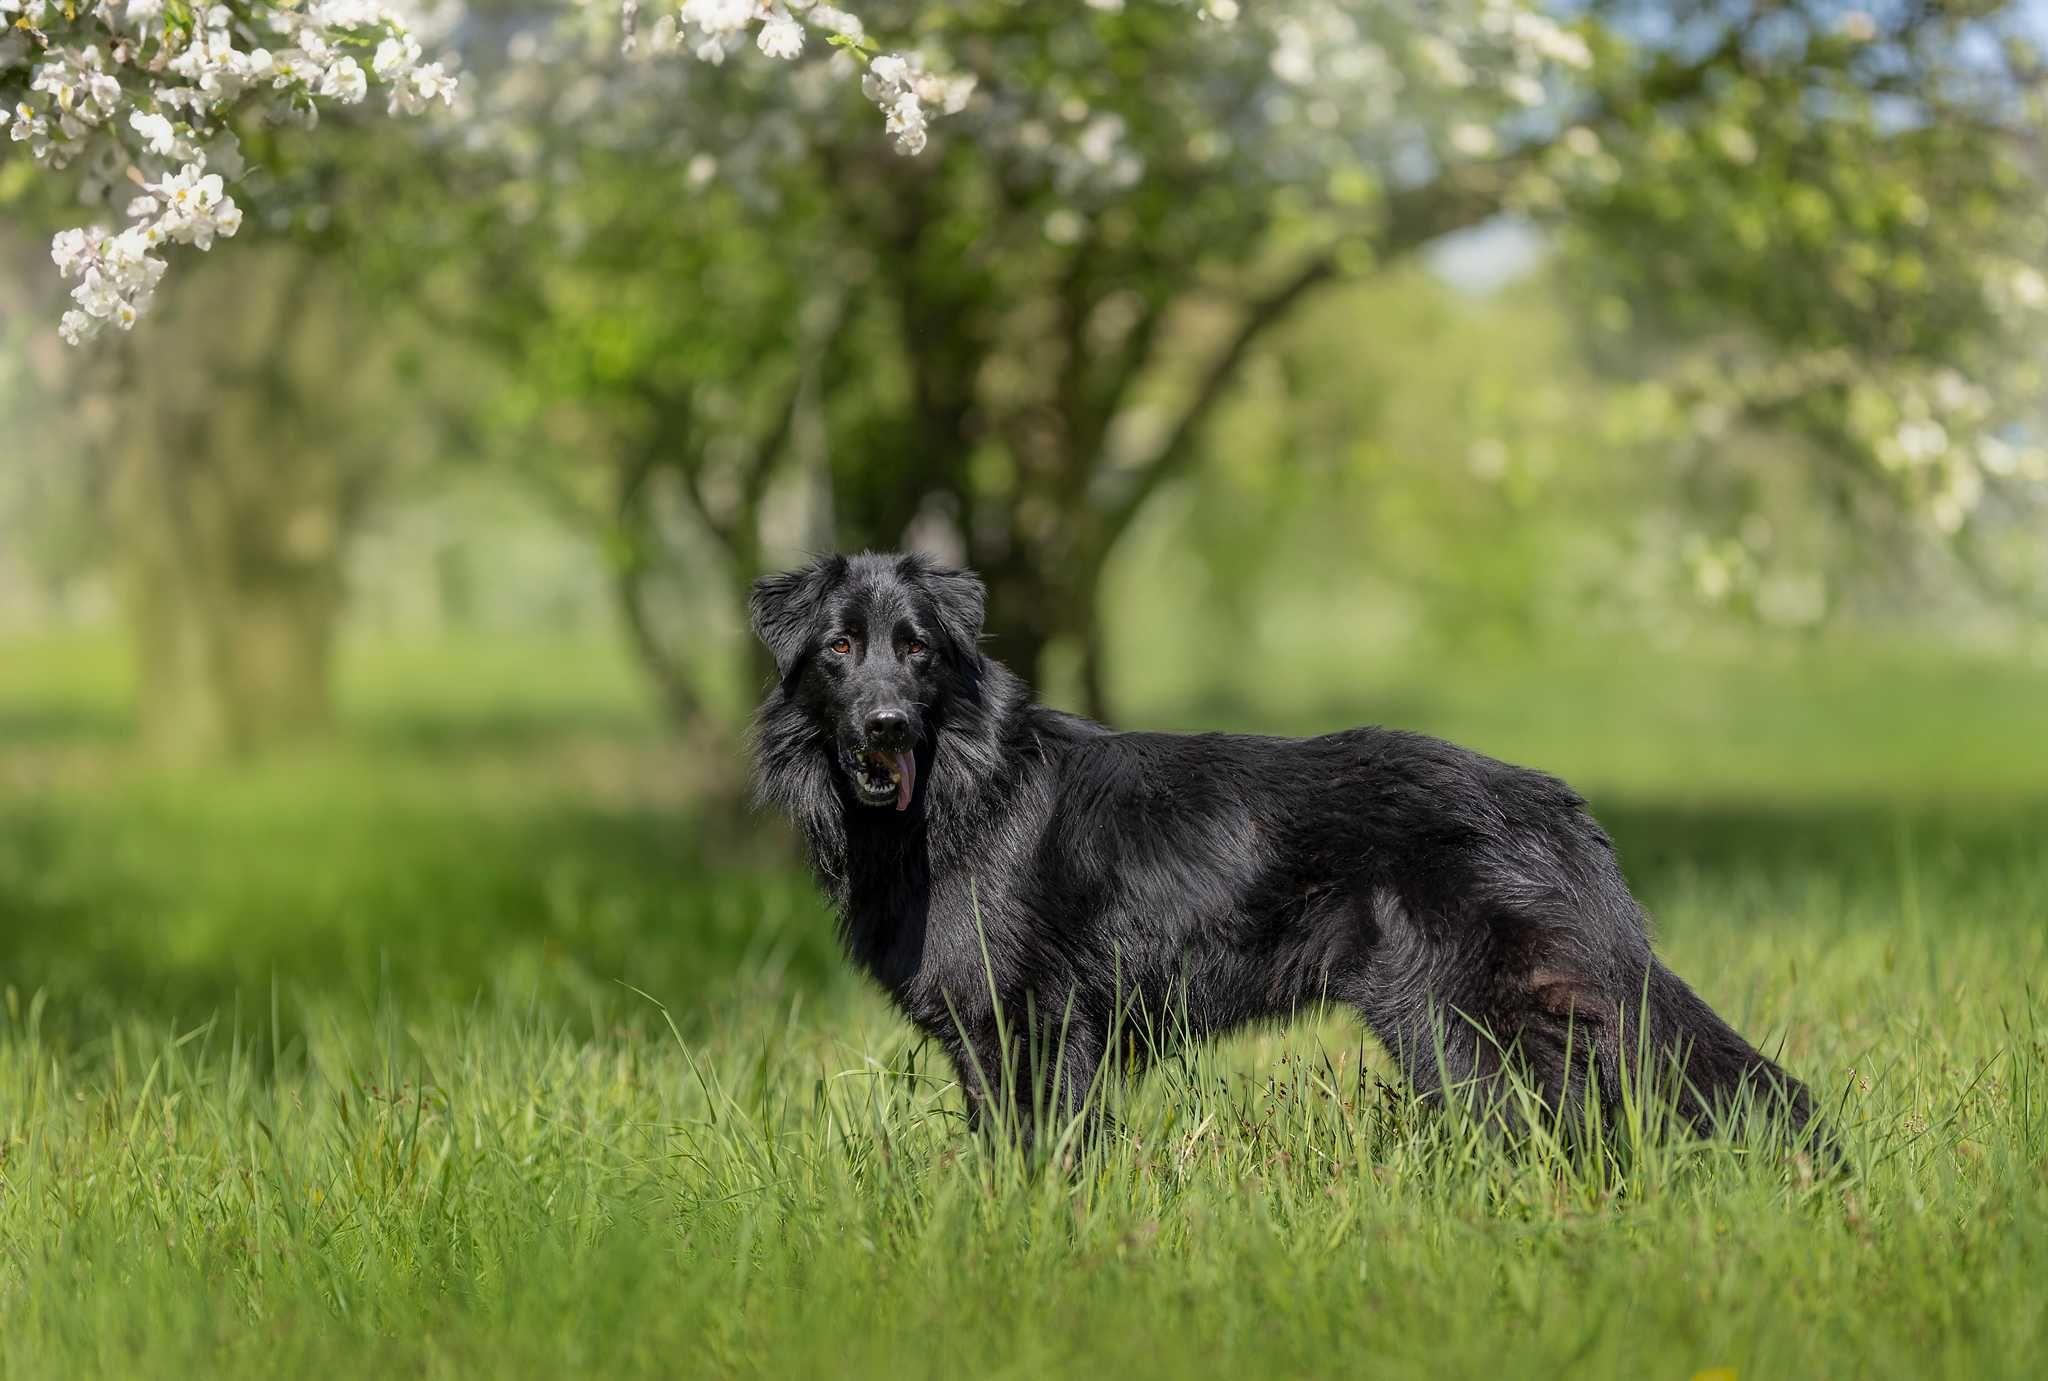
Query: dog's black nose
x=888 y=728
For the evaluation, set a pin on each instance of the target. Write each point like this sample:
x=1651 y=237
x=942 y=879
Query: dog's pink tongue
x=906 y=765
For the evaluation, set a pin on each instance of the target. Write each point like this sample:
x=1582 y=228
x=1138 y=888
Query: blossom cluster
x=715 y=29
x=139 y=99
x=907 y=95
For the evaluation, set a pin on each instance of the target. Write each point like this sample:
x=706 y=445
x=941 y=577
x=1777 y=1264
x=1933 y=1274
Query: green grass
x=480 y=1045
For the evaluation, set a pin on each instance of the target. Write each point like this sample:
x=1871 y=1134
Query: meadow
x=498 y=1039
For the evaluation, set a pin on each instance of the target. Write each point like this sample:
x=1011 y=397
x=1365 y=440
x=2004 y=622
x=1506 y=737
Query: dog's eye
x=842 y=646
x=914 y=648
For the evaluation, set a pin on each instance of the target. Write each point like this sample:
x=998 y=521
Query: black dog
x=1011 y=873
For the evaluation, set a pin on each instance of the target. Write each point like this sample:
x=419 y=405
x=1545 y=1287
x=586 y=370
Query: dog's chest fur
x=942 y=936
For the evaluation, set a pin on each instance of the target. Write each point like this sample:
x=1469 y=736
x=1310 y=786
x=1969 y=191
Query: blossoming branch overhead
x=136 y=100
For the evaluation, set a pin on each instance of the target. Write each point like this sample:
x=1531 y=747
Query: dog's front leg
x=1030 y=1081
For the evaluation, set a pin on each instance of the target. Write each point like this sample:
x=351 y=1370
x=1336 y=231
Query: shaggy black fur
x=1002 y=868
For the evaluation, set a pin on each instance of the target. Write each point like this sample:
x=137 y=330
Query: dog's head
x=871 y=650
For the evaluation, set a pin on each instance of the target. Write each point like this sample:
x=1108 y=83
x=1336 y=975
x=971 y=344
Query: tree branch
x=630 y=586
x=829 y=316
x=1464 y=196
x=1178 y=451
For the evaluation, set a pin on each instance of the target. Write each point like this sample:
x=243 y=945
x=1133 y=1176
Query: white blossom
x=890 y=70
x=195 y=207
x=395 y=57
x=781 y=36
x=130 y=90
x=906 y=94
x=719 y=16
x=109 y=87
x=906 y=121
x=345 y=81
x=71 y=250
x=420 y=88
x=838 y=21
x=156 y=131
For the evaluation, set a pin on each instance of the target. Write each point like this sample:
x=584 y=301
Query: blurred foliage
x=1789 y=342
x=748 y=333
x=1463 y=469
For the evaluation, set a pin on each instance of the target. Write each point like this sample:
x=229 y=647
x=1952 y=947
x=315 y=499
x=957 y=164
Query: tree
x=1009 y=346
x=774 y=331
x=1841 y=242
x=240 y=453
x=237 y=436
x=223 y=437
x=239 y=469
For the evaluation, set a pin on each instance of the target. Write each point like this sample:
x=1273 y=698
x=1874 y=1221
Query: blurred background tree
x=714 y=321
x=232 y=510
x=1006 y=348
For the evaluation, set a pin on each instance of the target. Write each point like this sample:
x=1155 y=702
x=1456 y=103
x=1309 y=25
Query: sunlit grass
x=473 y=1053
x=792 y=1193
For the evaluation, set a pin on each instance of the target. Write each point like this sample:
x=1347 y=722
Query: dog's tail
x=1717 y=1079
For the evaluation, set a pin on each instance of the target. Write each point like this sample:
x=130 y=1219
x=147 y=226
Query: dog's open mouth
x=880 y=778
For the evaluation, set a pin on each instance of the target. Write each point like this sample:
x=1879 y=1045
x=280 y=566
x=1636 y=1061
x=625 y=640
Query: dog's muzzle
x=882 y=776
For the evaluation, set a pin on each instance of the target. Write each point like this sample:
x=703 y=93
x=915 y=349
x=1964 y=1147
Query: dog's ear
x=782 y=608
x=961 y=602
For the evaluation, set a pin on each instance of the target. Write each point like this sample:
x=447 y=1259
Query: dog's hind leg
x=1491 y=1009
x=1514 y=1047
x=1584 y=959
x=1519 y=1016
x=1426 y=989
x=1651 y=1041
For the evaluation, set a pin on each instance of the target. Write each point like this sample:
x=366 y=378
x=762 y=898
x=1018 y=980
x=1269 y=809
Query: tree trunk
x=229 y=673
x=234 y=614
x=1017 y=644
x=239 y=468
x=1037 y=602
x=1094 y=690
